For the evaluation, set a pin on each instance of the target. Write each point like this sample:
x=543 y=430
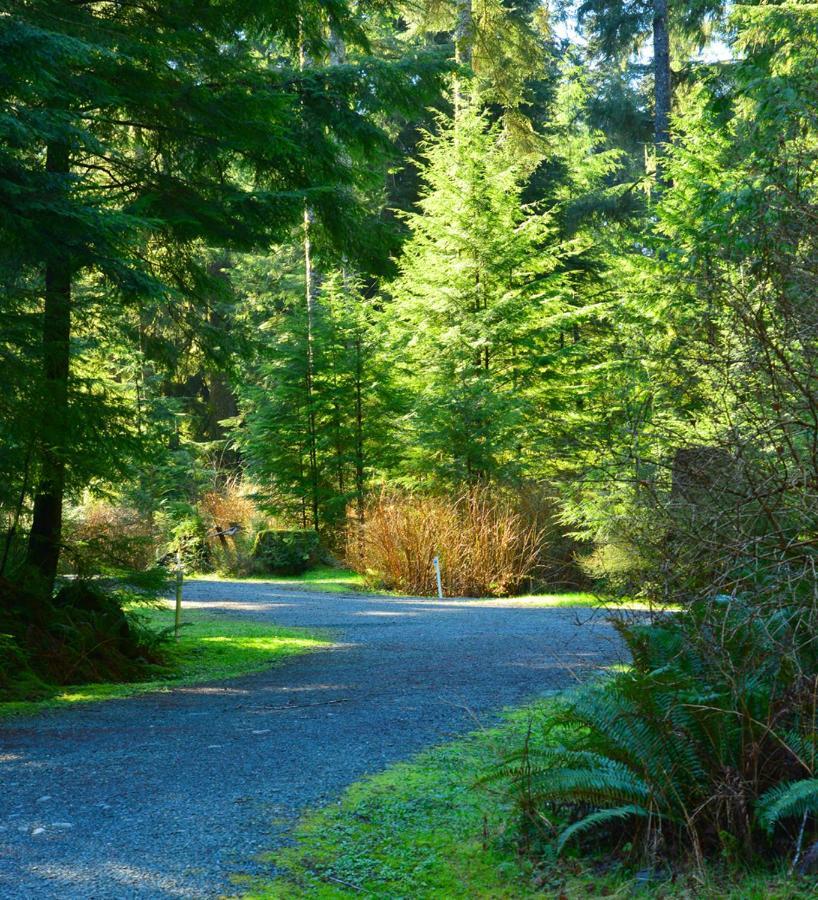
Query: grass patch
x=593 y=601
x=421 y=830
x=210 y=648
x=322 y=578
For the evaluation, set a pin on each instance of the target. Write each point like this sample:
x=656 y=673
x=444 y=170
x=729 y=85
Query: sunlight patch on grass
x=421 y=830
x=588 y=600
x=210 y=648
x=322 y=578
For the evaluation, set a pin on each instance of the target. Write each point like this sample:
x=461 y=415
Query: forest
x=521 y=289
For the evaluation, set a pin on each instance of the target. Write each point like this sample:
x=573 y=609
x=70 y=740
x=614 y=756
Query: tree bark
x=311 y=293
x=359 y=431
x=46 y=529
x=661 y=75
x=463 y=44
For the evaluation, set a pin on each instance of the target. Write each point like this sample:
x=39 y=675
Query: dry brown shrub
x=99 y=537
x=486 y=545
x=230 y=507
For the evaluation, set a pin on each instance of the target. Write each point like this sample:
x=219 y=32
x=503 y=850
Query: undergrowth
x=423 y=829
x=210 y=648
x=704 y=749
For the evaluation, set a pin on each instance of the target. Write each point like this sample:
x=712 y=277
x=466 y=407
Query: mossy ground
x=210 y=648
x=422 y=829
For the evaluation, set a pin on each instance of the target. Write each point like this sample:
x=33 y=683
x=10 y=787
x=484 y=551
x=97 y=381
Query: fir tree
x=476 y=279
x=349 y=407
x=132 y=135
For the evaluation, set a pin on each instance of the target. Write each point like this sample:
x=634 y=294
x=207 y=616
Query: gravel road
x=168 y=795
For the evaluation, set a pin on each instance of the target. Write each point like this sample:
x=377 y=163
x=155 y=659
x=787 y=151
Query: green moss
x=210 y=648
x=422 y=830
x=286 y=551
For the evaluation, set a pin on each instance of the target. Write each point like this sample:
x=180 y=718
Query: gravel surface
x=168 y=795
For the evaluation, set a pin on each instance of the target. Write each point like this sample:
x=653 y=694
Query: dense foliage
x=375 y=275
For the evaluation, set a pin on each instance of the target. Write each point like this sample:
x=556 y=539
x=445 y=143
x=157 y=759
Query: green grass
x=584 y=599
x=322 y=578
x=210 y=648
x=421 y=830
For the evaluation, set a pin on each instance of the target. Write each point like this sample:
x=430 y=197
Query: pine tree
x=619 y=29
x=348 y=408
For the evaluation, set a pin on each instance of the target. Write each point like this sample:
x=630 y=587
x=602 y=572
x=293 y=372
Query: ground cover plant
x=211 y=647
x=431 y=827
x=704 y=749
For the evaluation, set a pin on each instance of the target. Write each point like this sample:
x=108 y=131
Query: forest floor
x=433 y=828
x=170 y=794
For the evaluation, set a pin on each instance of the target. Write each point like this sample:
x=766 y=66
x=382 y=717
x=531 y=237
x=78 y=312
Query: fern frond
x=787 y=800
x=601 y=817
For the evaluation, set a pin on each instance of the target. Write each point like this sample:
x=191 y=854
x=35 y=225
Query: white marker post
x=436 y=563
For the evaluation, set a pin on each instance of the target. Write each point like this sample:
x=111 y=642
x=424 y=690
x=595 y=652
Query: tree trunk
x=46 y=529
x=359 y=431
x=661 y=74
x=463 y=44
x=464 y=33
x=311 y=290
x=311 y=293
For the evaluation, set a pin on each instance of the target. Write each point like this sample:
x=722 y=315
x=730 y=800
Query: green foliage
x=704 y=743
x=82 y=635
x=286 y=552
x=477 y=279
x=345 y=415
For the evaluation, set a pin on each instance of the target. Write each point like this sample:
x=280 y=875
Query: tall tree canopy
x=133 y=136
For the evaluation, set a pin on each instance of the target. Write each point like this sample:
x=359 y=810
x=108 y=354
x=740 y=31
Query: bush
x=189 y=539
x=230 y=509
x=706 y=747
x=79 y=636
x=286 y=552
x=107 y=539
x=486 y=545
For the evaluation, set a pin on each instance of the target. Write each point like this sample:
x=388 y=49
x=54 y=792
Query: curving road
x=168 y=795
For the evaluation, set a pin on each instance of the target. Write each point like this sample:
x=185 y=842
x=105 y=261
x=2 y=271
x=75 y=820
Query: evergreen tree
x=349 y=406
x=132 y=135
x=617 y=30
x=477 y=277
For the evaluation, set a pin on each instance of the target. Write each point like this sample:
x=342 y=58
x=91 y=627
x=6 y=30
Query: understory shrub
x=104 y=539
x=286 y=551
x=79 y=636
x=486 y=545
x=705 y=748
x=232 y=520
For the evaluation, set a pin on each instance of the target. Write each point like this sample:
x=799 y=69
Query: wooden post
x=179 y=573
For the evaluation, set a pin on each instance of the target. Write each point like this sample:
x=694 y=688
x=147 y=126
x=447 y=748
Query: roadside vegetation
x=210 y=648
x=433 y=827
